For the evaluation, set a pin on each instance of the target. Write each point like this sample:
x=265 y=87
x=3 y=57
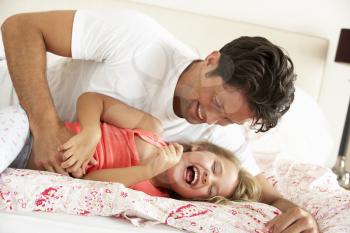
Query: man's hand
x=78 y=151
x=44 y=154
x=295 y=220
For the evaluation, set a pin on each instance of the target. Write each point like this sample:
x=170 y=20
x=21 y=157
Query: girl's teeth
x=195 y=175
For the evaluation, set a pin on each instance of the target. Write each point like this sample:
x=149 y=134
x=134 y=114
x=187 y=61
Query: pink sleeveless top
x=117 y=149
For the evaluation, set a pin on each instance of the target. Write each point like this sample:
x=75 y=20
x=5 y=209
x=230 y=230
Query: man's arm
x=26 y=39
x=293 y=218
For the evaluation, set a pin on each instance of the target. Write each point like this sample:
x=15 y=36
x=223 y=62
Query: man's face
x=212 y=101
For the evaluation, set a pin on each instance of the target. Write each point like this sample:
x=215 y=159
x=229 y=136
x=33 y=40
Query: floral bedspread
x=312 y=187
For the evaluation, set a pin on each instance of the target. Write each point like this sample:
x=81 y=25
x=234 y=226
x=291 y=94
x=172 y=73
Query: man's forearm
x=293 y=217
x=270 y=196
x=26 y=59
x=283 y=204
x=26 y=39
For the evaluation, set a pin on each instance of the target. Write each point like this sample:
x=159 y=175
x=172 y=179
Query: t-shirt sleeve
x=106 y=37
x=232 y=138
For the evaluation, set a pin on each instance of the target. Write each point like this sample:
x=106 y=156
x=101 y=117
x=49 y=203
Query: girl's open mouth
x=191 y=175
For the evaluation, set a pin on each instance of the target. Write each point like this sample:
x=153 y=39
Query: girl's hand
x=78 y=151
x=165 y=158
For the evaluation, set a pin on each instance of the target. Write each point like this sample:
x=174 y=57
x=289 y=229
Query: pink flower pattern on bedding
x=312 y=187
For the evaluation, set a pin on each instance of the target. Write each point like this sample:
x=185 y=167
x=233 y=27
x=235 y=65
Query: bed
x=294 y=164
x=38 y=199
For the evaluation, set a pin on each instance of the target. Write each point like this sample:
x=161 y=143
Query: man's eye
x=214 y=167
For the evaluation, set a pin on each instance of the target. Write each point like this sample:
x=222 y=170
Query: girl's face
x=202 y=175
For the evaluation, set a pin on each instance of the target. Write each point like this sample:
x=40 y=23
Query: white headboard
x=205 y=33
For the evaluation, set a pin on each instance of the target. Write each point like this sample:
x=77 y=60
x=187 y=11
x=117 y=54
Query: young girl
x=127 y=149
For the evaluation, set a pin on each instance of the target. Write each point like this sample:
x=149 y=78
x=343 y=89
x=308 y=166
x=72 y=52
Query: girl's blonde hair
x=248 y=189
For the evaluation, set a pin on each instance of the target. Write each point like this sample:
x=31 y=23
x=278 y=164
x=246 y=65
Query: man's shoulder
x=119 y=17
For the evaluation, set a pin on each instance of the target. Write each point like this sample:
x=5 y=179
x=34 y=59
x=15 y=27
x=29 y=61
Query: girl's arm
x=127 y=176
x=93 y=107
x=78 y=150
x=164 y=159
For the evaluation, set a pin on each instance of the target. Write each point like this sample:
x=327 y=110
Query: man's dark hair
x=264 y=73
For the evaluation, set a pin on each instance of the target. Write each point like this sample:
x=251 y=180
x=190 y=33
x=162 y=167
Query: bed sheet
x=37 y=222
x=311 y=186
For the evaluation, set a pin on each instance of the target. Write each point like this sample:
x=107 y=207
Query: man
x=131 y=58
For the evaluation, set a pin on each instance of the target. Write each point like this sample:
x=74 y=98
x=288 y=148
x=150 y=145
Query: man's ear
x=212 y=60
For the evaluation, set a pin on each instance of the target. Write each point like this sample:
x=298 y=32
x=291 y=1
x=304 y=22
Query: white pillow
x=302 y=134
x=14 y=130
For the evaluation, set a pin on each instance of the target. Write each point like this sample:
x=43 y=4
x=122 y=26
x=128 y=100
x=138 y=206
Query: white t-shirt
x=129 y=56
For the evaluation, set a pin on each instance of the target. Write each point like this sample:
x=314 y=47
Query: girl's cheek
x=195 y=193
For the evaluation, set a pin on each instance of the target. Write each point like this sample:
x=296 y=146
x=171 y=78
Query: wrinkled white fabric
x=14 y=130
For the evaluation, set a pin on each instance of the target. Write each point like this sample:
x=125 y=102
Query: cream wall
x=323 y=18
